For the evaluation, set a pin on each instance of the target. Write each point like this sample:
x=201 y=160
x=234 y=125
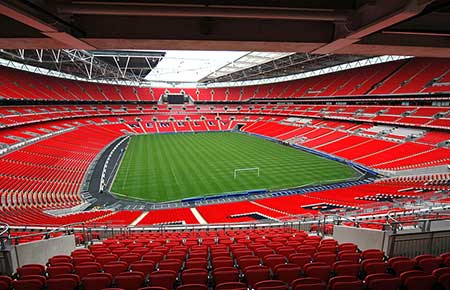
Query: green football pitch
x=165 y=167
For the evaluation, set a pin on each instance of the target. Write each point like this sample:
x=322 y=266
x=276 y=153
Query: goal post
x=237 y=170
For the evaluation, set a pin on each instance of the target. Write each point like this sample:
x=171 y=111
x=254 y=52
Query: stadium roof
x=351 y=27
x=173 y=66
x=226 y=41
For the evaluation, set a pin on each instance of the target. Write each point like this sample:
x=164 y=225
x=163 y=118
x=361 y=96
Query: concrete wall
x=364 y=238
x=440 y=225
x=38 y=252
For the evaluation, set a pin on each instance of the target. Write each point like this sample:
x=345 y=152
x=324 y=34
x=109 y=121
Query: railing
x=422 y=221
x=4 y=235
x=397 y=224
x=414 y=244
x=105 y=231
x=46 y=233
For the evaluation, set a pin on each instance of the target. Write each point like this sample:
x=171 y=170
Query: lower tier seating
x=272 y=258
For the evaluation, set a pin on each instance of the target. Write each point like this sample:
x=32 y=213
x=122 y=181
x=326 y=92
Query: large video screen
x=175 y=98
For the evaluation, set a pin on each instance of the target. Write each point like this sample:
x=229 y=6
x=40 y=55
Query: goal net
x=236 y=171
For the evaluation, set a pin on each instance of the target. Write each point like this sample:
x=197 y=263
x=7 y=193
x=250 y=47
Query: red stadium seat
x=62 y=268
x=170 y=264
x=274 y=259
x=59 y=259
x=444 y=281
x=300 y=259
x=87 y=268
x=354 y=285
x=231 y=286
x=145 y=267
x=271 y=284
x=61 y=284
x=225 y=274
x=33 y=284
x=372 y=254
x=255 y=274
x=287 y=272
x=31 y=269
x=163 y=278
x=195 y=276
x=193 y=287
x=196 y=263
x=115 y=268
x=373 y=266
x=428 y=265
x=97 y=281
x=318 y=270
x=129 y=280
x=309 y=284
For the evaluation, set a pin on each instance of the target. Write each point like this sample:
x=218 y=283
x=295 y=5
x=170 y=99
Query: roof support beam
x=46 y=29
x=149 y=9
x=370 y=19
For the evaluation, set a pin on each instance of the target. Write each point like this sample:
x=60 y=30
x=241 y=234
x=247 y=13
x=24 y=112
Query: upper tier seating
x=417 y=75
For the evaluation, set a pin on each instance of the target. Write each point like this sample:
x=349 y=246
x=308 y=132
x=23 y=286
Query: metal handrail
x=6 y=228
x=396 y=222
x=47 y=233
x=4 y=238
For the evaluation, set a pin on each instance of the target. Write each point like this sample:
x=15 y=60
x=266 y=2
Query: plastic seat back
x=287 y=272
x=130 y=258
x=170 y=264
x=96 y=282
x=231 y=286
x=32 y=284
x=308 y=283
x=59 y=259
x=372 y=254
x=163 y=278
x=103 y=259
x=222 y=262
x=444 y=281
x=225 y=274
x=271 y=284
x=255 y=274
x=420 y=282
x=192 y=287
x=87 y=268
x=31 y=269
x=130 y=280
x=353 y=285
x=428 y=265
x=195 y=276
x=347 y=269
x=402 y=266
x=115 y=268
x=245 y=262
x=145 y=267
x=61 y=284
x=300 y=259
x=320 y=272
x=53 y=271
x=275 y=259
x=196 y=263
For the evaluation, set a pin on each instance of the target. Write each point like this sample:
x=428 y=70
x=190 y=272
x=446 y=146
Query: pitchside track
x=175 y=166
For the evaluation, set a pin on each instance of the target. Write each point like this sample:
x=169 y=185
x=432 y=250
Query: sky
x=191 y=66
